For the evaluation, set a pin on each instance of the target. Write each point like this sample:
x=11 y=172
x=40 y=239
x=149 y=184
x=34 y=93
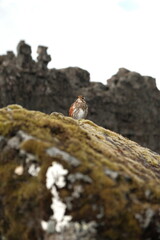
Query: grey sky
x=97 y=35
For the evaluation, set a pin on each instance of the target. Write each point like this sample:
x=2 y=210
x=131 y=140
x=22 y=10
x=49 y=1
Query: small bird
x=79 y=108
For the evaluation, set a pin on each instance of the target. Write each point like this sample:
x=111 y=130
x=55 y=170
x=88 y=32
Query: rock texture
x=73 y=180
x=129 y=104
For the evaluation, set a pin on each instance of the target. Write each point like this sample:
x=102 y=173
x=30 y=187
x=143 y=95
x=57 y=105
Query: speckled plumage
x=79 y=108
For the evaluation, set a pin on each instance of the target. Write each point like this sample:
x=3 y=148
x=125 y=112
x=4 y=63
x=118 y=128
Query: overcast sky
x=97 y=35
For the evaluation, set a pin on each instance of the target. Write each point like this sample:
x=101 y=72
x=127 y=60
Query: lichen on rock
x=106 y=186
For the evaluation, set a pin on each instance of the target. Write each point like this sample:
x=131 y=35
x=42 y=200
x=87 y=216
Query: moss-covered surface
x=119 y=179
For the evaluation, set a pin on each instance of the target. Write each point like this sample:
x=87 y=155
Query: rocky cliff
x=129 y=104
x=73 y=180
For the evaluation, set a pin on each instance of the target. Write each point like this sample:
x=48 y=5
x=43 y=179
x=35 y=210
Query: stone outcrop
x=73 y=180
x=43 y=57
x=129 y=104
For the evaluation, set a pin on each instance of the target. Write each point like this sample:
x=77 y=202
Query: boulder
x=68 y=179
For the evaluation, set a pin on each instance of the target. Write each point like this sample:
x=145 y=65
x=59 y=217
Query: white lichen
x=77 y=191
x=146 y=218
x=55 y=178
x=44 y=225
x=112 y=174
x=79 y=177
x=30 y=158
x=55 y=152
x=33 y=169
x=14 y=142
x=24 y=136
x=19 y=170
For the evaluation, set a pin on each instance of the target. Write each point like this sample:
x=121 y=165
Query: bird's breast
x=79 y=113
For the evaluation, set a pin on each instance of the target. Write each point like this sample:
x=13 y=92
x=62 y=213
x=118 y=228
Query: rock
x=8 y=59
x=24 y=59
x=129 y=104
x=77 y=77
x=132 y=79
x=43 y=58
x=67 y=179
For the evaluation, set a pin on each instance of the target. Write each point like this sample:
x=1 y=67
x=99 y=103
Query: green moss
x=97 y=149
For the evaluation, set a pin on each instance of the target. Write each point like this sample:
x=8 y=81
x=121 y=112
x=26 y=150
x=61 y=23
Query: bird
x=79 y=109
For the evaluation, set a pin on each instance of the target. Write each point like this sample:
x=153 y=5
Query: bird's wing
x=71 y=110
x=86 y=111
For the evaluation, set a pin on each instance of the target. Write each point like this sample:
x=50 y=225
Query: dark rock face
x=131 y=107
x=129 y=104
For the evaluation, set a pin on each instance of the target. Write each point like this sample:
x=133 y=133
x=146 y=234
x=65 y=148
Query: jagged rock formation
x=73 y=180
x=129 y=104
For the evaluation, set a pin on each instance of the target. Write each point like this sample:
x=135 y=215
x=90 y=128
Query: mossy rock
x=107 y=184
